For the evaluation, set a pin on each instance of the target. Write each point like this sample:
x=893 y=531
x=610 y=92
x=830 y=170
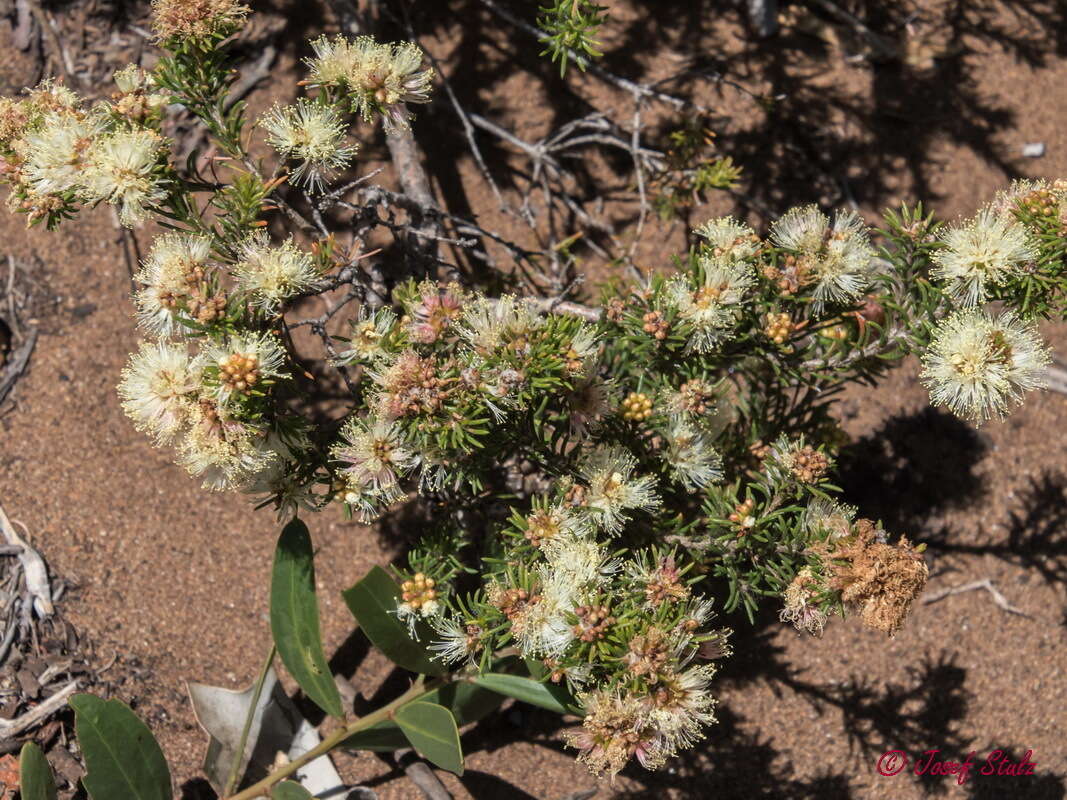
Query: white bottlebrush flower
x=271 y=275
x=682 y=706
x=692 y=459
x=159 y=388
x=369 y=333
x=802 y=230
x=407 y=81
x=244 y=362
x=541 y=628
x=982 y=253
x=660 y=579
x=613 y=489
x=454 y=641
x=584 y=347
x=837 y=258
x=432 y=313
x=15 y=117
x=729 y=239
x=436 y=472
x=616 y=729
x=488 y=323
x=502 y=391
x=311 y=133
x=701 y=611
x=579 y=561
x=410 y=614
x=696 y=397
x=223 y=452
x=712 y=307
x=379 y=77
x=135 y=98
x=1006 y=201
x=800 y=606
x=175 y=264
x=49 y=96
x=122 y=171
x=56 y=154
x=374 y=456
x=387 y=76
x=980 y=365
x=846 y=268
x=358 y=501
x=554 y=523
x=827 y=520
x=186 y=19
x=334 y=62
x=132 y=78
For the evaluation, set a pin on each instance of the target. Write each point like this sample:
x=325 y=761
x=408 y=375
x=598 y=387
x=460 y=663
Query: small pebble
x=1034 y=149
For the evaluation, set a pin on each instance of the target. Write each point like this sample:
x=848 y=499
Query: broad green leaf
x=122 y=759
x=467 y=702
x=385 y=737
x=35 y=776
x=294 y=618
x=372 y=602
x=432 y=731
x=287 y=790
x=546 y=695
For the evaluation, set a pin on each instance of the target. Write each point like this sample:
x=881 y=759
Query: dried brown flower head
x=882 y=579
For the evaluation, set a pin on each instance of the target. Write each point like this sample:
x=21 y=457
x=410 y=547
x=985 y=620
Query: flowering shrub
x=595 y=479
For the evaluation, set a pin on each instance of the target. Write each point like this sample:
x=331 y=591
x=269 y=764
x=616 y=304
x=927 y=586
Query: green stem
x=235 y=770
x=262 y=788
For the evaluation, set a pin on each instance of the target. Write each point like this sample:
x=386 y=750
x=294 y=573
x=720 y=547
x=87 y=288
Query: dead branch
x=422 y=776
x=986 y=585
x=16 y=363
x=60 y=54
x=884 y=49
x=251 y=77
x=38 y=714
x=1056 y=376
x=33 y=567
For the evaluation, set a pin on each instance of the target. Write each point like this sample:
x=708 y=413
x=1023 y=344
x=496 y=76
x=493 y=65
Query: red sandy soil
x=173 y=580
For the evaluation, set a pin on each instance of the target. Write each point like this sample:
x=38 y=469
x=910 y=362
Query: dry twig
x=985 y=584
x=32 y=565
x=38 y=714
x=422 y=776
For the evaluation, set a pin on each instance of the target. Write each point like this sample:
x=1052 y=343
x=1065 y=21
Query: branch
x=985 y=584
x=9 y=729
x=261 y=788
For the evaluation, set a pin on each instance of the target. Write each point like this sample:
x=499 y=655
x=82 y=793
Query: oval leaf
x=287 y=790
x=372 y=602
x=385 y=737
x=432 y=731
x=546 y=695
x=467 y=702
x=122 y=759
x=294 y=618
x=35 y=776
